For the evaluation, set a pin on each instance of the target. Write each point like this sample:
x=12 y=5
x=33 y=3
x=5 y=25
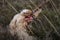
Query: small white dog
x=19 y=23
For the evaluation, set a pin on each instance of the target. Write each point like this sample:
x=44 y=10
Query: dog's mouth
x=28 y=18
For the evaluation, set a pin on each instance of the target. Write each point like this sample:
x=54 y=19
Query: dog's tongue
x=29 y=18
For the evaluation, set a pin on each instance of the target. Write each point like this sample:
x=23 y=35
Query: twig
x=40 y=22
x=29 y=5
x=33 y=3
x=52 y=25
x=55 y=6
x=12 y=6
x=30 y=29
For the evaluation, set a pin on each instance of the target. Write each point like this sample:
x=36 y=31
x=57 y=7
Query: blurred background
x=47 y=25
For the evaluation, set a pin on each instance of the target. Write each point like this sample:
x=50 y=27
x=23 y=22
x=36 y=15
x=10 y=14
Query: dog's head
x=21 y=20
x=27 y=14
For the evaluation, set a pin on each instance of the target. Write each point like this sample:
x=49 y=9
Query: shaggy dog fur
x=18 y=25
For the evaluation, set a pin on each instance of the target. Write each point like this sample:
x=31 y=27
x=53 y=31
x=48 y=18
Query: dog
x=19 y=23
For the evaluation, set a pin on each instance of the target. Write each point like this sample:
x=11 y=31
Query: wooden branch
x=39 y=9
